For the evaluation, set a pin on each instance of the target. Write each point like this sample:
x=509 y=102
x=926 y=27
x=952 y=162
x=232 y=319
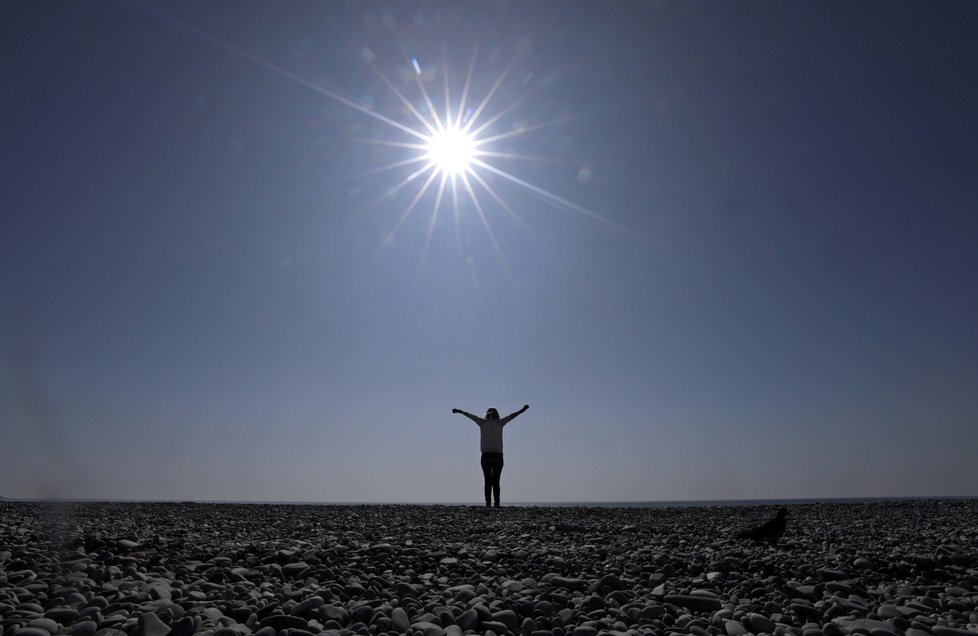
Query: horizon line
x=610 y=503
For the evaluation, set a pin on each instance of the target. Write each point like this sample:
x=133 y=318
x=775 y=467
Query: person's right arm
x=474 y=418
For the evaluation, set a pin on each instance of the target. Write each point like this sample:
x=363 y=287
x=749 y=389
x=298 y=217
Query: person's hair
x=492 y=414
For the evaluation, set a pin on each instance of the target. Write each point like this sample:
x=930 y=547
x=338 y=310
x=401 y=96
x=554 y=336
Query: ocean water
x=733 y=502
x=558 y=504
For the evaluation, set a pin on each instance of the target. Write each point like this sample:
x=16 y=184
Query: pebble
x=759 y=623
x=400 y=620
x=151 y=625
x=695 y=602
x=279 y=570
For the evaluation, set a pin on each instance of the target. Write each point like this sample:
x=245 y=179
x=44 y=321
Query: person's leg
x=487 y=470
x=497 y=473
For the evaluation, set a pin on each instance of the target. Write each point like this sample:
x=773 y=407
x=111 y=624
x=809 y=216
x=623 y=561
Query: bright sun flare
x=451 y=151
x=454 y=151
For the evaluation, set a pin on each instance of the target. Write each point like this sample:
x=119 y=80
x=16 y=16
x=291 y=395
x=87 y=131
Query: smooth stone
x=449 y=561
x=609 y=581
x=507 y=617
x=362 y=614
x=400 y=619
x=831 y=629
x=695 y=603
x=294 y=569
x=734 y=628
x=565 y=616
x=468 y=619
x=429 y=629
x=151 y=625
x=872 y=626
x=569 y=583
x=46 y=624
x=760 y=623
x=127 y=544
x=495 y=626
x=585 y=630
x=278 y=622
x=309 y=605
x=84 y=628
x=943 y=630
x=543 y=609
x=32 y=631
x=63 y=615
x=336 y=613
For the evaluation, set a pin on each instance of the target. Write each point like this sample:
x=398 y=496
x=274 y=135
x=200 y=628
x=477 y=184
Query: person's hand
x=456 y=411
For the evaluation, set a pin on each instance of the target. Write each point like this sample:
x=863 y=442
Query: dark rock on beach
x=873 y=569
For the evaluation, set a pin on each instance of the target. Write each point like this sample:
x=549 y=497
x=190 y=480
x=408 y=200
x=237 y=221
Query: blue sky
x=746 y=267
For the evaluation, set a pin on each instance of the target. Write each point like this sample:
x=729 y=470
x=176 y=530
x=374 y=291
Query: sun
x=451 y=151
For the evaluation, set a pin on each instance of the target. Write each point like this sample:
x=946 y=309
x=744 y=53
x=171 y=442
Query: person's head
x=492 y=414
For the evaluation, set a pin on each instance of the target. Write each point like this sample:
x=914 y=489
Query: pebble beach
x=907 y=568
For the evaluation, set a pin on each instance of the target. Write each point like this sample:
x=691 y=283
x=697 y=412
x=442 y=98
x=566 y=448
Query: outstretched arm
x=512 y=415
x=474 y=418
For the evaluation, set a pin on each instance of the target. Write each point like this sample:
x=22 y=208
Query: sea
x=692 y=503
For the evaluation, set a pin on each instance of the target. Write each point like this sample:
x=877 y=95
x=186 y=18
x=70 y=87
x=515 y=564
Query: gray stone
x=362 y=614
x=734 y=628
x=507 y=617
x=400 y=619
x=309 y=605
x=46 y=624
x=609 y=581
x=336 y=613
x=759 y=623
x=873 y=626
x=63 y=615
x=832 y=629
x=468 y=620
x=84 y=628
x=428 y=628
x=278 y=622
x=569 y=583
x=694 y=603
x=943 y=630
x=151 y=625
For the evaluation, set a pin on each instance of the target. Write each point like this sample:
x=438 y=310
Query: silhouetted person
x=770 y=531
x=491 y=444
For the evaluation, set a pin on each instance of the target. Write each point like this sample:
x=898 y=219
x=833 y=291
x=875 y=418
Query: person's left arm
x=506 y=419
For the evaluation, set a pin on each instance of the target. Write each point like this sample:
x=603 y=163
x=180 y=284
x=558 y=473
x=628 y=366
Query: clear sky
x=722 y=249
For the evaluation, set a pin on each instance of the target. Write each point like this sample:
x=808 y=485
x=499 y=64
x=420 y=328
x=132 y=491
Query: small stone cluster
x=167 y=569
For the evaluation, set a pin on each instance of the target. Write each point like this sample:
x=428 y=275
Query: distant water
x=694 y=503
x=703 y=503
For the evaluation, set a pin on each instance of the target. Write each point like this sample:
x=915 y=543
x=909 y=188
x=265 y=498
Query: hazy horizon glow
x=257 y=252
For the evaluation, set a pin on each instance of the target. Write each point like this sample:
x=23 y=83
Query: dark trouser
x=492 y=467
